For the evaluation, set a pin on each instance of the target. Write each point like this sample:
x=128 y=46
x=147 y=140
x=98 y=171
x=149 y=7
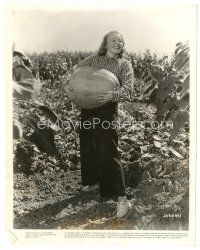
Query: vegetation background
x=47 y=187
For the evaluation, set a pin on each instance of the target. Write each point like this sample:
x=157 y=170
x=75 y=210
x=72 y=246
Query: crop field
x=155 y=155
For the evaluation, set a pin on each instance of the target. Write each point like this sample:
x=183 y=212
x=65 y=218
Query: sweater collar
x=116 y=58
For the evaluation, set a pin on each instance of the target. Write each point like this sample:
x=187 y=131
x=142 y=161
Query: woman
x=100 y=160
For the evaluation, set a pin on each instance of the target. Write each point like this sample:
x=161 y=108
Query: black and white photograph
x=103 y=118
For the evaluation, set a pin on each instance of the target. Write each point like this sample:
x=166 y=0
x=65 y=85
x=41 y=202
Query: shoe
x=90 y=188
x=123 y=207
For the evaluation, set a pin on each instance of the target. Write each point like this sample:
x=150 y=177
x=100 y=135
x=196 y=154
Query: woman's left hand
x=107 y=97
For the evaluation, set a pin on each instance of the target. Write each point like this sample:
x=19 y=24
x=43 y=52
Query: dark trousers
x=100 y=160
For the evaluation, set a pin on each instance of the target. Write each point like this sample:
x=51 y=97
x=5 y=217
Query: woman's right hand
x=70 y=93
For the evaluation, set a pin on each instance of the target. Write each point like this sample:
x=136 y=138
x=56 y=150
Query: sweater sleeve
x=124 y=93
x=86 y=62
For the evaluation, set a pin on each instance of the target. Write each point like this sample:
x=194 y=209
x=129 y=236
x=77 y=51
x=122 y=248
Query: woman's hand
x=107 y=97
x=70 y=93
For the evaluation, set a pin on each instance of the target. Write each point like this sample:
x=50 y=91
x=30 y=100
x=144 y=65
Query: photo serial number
x=172 y=215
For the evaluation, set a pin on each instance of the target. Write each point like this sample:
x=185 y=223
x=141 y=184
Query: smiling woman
x=100 y=161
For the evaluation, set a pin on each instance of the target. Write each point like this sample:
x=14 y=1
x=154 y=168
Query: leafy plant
x=171 y=94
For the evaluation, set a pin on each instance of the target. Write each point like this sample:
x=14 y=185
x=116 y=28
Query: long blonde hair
x=103 y=50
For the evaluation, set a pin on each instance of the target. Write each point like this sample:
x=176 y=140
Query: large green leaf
x=157 y=73
x=186 y=84
x=162 y=108
x=21 y=92
x=183 y=103
x=17 y=130
x=181 y=60
x=21 y=72
x=179 y=119
x=31 y=83
x=52 y=116
x=165 y=90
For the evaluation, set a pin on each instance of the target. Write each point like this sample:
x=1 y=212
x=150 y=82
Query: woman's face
x=114 y=43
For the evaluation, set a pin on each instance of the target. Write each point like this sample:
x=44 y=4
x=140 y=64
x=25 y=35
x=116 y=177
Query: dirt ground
x=47 y=188
x=53 y=199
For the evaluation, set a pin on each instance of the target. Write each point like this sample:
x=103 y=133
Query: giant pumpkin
x=89 y=82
